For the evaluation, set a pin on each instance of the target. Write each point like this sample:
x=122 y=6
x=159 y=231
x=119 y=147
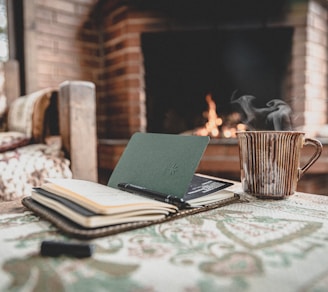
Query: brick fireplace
x=138 y=35
x=136 y=31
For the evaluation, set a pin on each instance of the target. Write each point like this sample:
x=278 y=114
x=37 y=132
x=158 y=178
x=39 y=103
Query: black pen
x=138 y=190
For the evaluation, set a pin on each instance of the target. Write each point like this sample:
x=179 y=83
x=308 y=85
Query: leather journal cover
x=164 y=163
x=74 y=230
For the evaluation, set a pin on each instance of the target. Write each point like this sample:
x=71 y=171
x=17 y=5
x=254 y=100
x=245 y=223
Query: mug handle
x=318 y=149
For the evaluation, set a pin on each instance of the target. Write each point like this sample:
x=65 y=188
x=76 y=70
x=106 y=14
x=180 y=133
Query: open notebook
x=161 y=163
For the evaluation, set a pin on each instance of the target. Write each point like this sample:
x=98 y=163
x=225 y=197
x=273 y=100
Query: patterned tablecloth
x=254 y=245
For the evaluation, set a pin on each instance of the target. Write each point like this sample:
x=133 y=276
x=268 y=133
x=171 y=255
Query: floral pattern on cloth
x=11 y=140
x=27 y=167
x=251 y=246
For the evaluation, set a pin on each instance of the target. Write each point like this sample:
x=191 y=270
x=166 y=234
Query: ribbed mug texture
x=270 y=162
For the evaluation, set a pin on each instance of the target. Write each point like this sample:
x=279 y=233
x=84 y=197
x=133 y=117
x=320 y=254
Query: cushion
x=12 y=140
x=29 y=166
x=27 y=114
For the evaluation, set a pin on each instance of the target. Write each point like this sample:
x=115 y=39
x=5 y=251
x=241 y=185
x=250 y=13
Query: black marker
x=179 y=202
x=57 y=248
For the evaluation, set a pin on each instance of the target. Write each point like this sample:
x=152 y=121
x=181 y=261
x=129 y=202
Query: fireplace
x=181 y=68
x=162 y=58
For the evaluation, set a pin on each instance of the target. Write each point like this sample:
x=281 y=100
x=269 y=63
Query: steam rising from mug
x=277 y=115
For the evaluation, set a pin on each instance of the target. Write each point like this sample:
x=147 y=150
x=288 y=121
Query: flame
x=214 y=126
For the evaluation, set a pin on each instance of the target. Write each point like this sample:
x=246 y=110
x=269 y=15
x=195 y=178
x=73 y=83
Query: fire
x=216 y=126
x=213 y=121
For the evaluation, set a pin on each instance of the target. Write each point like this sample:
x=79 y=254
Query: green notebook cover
x=164 y=163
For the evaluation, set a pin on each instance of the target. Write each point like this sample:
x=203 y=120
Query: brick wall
x=124 y=92
x=308 y=94
x=64 y=41
x=61 y=43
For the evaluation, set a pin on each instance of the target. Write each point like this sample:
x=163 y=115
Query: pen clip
x=142 y=191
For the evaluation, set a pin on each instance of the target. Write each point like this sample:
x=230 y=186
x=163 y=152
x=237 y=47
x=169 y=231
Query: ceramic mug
x=270 y=161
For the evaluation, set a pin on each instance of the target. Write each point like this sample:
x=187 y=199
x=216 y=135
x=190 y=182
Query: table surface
x=254 y=245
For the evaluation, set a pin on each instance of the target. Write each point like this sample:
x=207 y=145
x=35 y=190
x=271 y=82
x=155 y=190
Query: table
x=254 y=245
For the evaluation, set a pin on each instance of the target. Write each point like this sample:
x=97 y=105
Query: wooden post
x=77 y=122
x=12 y=80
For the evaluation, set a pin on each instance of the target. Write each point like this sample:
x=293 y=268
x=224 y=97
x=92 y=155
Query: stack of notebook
x=154 y=181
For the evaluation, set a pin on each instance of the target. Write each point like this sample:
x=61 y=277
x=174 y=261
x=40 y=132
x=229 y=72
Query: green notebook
x=164 y=163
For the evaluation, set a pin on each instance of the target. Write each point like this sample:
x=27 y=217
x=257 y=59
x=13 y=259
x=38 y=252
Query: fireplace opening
x=183 y=67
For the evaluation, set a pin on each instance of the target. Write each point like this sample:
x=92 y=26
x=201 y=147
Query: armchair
x=49 y=133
